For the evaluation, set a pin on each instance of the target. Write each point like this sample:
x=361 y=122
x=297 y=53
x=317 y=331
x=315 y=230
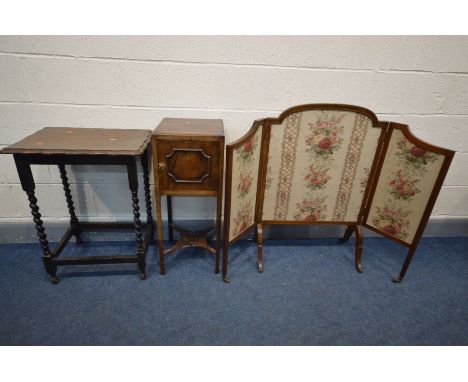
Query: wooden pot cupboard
x=188 y=157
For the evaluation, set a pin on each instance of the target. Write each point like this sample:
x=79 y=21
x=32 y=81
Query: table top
x=190 y=127
x=82 y=141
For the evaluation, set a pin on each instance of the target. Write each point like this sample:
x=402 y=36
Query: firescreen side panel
x=245 y=166
x=405 y=184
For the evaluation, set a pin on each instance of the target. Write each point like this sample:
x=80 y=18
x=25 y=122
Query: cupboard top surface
x=190 y=127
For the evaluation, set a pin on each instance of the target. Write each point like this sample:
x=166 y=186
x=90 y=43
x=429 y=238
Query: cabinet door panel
x=188 y=165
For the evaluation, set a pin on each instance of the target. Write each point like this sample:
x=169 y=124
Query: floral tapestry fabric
x=245 y=165
x=405 y=184
x=318 y=166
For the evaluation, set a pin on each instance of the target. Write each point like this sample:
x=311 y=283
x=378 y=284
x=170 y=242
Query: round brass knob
x=161 y=166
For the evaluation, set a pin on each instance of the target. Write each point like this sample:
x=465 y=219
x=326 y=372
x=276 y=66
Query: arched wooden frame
x=352 y=226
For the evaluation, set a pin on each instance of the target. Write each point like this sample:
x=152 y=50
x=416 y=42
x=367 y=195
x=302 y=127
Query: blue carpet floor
x=309 y=294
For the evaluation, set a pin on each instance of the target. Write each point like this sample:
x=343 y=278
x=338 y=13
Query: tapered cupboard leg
x=169 y=218
x=219 y=207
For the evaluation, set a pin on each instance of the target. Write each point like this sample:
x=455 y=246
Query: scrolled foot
x=397 y=280
x=142 y=275
x=226 y=279
x=54 y=279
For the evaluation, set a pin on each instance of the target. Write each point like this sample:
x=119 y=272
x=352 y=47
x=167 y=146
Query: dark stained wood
x=188 y=156
x=71 y=207
x=61 y=146
x=88 y=260
x=78 y=141
x=63 y=242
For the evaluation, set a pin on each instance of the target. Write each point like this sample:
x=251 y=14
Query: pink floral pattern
x=401 y=187
x=245 y=182
x=246 y=151
x=316 y=178
x=325 y=135
x=311 y=210
x=392 y=220
x=416 y=157
x=323 y=139
x=243 y=218
x=316 y=154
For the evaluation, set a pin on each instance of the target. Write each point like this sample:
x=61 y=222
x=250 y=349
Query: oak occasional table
x=81 y=146
x=188 y=157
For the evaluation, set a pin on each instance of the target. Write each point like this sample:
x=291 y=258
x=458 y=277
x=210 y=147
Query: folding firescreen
x=332 y=164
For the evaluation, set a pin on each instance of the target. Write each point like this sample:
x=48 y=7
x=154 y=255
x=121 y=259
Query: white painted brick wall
x=134 y=82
